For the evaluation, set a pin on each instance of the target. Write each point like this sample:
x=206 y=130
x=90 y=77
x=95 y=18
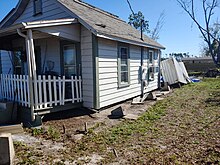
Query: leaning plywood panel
x=168 y=71
x=173 y=72
x=184 y=71
x=180 y=72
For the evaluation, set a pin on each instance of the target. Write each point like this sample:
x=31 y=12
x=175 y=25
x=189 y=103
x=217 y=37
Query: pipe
x=28 y=47
x=142 y=22
x=141 y=76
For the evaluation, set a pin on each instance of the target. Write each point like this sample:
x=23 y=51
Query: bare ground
x=184 y=128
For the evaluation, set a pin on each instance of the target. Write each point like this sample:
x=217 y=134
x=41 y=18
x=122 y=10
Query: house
x=67 y=52
x=199 y=64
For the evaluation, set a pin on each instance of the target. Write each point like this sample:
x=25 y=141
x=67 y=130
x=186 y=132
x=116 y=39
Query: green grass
x=184 y=128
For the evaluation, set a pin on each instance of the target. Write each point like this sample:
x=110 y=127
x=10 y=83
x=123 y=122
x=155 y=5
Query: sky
x=178 y=35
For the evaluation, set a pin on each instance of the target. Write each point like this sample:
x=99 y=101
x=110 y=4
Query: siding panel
x=87 y=67
x=108 y=74
x=50 y=11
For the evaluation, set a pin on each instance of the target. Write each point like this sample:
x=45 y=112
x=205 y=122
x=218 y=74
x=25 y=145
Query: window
x=69 y=58
x=18 y=62
x=151 y=54
x=123 y=66
x=155 y=56
x=151 y=74
x=37 y=7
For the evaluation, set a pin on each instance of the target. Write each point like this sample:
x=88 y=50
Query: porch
x=48 y=91
x=45 y=66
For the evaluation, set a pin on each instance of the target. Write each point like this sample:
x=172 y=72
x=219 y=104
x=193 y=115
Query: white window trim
x=123 y=84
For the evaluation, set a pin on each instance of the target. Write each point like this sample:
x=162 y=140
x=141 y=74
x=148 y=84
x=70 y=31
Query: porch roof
x=36 y=24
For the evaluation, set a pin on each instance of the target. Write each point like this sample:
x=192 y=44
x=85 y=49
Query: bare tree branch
x=208 y=11
x=129 y=4
x=160 y=22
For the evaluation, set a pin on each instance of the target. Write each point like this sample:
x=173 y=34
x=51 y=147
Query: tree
x=137 y=19
x=160 y=22
x=215 y=31
x=208 y=8
x=179 y=56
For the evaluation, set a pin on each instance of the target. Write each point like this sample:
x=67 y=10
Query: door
x=70 y=60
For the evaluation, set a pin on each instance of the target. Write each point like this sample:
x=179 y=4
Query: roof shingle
x=104 y=23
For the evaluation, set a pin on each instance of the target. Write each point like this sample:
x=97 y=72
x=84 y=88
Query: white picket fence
x=48 y=91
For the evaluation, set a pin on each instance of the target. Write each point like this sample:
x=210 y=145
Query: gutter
x=129 y=41
x=39 y=24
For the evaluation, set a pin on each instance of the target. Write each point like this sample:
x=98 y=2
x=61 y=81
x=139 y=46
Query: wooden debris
x=64 y=129
x=131 y=117
x=115 y=153
x=86 y=127
x=13 y=129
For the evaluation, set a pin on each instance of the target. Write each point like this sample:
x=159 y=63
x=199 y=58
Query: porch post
x=33 y=63
x=30 y=73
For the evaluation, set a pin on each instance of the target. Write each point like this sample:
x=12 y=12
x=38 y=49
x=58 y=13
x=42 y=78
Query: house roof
x=99 y=22
x=107 y=25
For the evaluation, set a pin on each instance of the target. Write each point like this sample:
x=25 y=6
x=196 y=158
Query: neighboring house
x=67 y=51
x=198 y=64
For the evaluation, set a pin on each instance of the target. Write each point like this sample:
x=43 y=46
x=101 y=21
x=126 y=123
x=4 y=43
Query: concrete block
x=151 y=96
x=7 y=152
x=117 y=113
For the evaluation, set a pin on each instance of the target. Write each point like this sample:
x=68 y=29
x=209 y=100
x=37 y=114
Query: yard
x=183 y=128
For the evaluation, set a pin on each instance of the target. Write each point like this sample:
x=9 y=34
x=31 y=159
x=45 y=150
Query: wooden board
x=13 y=129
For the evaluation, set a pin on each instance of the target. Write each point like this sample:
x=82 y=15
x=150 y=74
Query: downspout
x=142 y=61
x=30 y=76
x=142 y=71
x=159 y=74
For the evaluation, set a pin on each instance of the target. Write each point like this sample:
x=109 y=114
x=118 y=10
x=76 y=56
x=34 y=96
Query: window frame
x=18 y=69
x=37 y=4
x=151 y=56
x=63 y=56
x=120 y=83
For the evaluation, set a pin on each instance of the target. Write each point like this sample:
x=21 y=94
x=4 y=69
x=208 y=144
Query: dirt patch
x=181 y=129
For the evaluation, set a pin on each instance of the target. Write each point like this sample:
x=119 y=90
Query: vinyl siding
x=108 y=73
x=152 y=85
x=6 y=63
x=87 y=68
x=71 y=32
x=109 y=91
x=50 y=11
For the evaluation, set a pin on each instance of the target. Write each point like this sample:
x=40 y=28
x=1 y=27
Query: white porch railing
x=48 y=91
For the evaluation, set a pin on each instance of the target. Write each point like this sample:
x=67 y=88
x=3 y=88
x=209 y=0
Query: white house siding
x=50 y=11
x=71 y=32
x=87 y=67
x=108 y=75
x=6 y=62
x=152 y=85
